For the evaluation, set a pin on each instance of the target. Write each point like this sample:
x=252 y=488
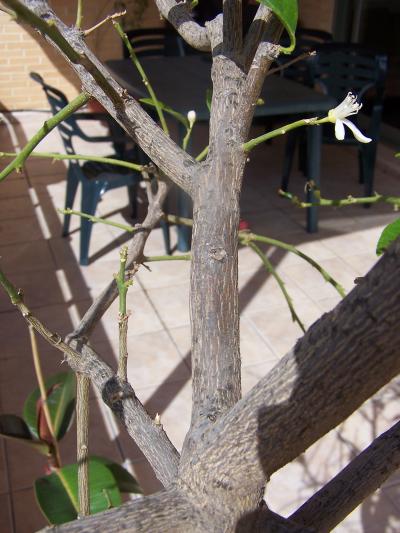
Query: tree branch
x=135 y=254
x=233 y=29
x=309 y=391
x=97 y=81
x=256 y=31
x=119 y=396
x=178 y=14
x=365 y=474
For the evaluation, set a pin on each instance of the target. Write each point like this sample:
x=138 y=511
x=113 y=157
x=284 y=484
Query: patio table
x=182 y=83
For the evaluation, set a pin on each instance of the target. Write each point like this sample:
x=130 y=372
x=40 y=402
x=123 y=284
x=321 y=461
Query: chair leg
x=167 y=236
x=368 y=154
x=91 y=193
x=290 y=148
x=72 y=186
x=361 y=166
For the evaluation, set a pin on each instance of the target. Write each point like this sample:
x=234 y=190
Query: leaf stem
x=79 y=157
x=125 y=227
x=79 y=14
x=350 y=200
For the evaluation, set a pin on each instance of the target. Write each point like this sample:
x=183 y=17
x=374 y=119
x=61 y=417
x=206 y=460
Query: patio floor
x=37 y=259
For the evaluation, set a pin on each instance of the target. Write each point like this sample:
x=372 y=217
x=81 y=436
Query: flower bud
x=191 y=116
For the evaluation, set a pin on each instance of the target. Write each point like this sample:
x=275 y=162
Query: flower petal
x=339 y=129
x=356 y=132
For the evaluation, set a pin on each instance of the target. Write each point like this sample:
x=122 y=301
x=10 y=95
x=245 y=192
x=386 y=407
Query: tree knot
x=217 y=253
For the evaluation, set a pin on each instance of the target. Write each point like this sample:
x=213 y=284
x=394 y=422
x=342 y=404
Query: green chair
x=95 y=178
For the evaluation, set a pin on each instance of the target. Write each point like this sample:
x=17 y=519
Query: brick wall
x=23 y=51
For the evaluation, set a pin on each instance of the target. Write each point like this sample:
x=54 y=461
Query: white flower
x=348 y=107
x=191 y=116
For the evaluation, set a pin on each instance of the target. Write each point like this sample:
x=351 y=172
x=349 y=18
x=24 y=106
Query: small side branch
x=178 y=14
x=48 y=125
x=82 y=442
x=269 y=267
x=343 y=202
x=120 y=397
x=99 y=24
x=365 y=474
x=123 y=284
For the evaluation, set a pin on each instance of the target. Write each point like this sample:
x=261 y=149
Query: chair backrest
x=342 y=67
x=154 y=42
x=57 y=100
x=307 y=40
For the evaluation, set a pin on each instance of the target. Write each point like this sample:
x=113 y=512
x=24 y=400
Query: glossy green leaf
x=61 y=401
x=14 y=427
x=125 y=481
x=287 y=13
x=57 y=494
x=388 y=235
x=179 y=117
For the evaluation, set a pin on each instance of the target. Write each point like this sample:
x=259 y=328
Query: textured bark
x=233 y=445
x=121 y=398
x=180 y=17
x=343 y=359
x=366 y=473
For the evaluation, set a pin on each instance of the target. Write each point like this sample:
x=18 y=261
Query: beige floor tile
x=164 y=274
x=253 y=348
x=172 y=304
x=277 y=328
x=153 y=360
x=251 y=374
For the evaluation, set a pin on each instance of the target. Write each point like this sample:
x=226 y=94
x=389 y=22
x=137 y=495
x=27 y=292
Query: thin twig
x=43 y=394
x=123 y=284
x=249 y=145
x=344 y=202
x=203 y=154
x=125 y=227
x=48 y=125
x=245 y=237
x=108 y=17
x=269 y=267
x=82 y=442
x=143 y=74
x=306 y=55
x=79 y=157
x=79 y=14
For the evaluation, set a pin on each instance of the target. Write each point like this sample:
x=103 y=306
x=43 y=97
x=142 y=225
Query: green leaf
x=125 y=481
x=388 y=235
x=57 y=494
x=179 y=117
x=287 y=13
x=61 y=402
x=14 y=427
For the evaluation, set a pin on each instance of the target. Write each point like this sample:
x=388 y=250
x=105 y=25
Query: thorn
x=157 y=420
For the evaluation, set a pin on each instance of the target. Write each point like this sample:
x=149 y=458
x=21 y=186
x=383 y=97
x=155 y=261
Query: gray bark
x=233 y=445
x=366 y=473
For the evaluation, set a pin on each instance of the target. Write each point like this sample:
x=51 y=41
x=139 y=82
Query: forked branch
x=178 y=14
